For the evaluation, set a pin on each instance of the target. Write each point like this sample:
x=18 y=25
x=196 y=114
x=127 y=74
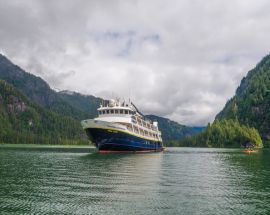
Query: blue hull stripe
x=120 y=141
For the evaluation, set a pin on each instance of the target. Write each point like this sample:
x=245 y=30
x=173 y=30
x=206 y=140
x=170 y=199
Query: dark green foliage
x=251 y=104
x=224 y=133
x=22 y=121
x=172 y=130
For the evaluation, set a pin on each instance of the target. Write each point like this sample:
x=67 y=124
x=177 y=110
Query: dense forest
x=22 y=121
x=223 y=133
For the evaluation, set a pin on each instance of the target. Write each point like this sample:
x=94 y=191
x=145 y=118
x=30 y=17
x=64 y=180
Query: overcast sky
x=181 y=59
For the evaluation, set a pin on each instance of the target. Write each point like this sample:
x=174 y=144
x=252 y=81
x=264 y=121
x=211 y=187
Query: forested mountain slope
x=22 y=121
x=245 y=119
x=251 y=103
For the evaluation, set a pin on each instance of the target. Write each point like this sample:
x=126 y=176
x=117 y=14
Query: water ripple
x=178 y=181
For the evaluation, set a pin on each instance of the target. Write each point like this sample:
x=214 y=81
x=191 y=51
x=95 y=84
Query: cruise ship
x=120 y=127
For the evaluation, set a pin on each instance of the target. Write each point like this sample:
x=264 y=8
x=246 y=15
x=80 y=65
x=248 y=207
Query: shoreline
x=48 y=146
x=45 y=146
x=55 y=148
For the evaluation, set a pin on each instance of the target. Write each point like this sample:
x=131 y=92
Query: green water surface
x=177 y=181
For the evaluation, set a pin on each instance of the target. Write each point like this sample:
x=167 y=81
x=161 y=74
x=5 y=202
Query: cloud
x=178 y=59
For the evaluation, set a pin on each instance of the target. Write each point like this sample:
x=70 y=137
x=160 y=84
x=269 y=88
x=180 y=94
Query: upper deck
x=128 y=115
x=116 y=111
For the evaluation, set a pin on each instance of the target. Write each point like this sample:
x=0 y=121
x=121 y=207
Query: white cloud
x=178 y=59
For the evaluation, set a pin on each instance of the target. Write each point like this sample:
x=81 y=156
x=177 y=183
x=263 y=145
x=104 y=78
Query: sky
x=180 y=59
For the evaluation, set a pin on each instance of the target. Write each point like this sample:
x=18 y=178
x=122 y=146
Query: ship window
x=116 y=111
x=103 y=112
x=126 y=111
x=121 y=111
x=112 y=111
x=108 y=111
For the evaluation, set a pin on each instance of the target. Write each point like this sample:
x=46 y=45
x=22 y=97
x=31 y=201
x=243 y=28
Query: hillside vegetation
x=224 y=133
x=22 y=121
x=245 y=118
x=251 y=104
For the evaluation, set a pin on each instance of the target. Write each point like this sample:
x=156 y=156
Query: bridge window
x=108 y=111
x=112 y=111
x=103 y=112
x=121 y=111
x=126 y=111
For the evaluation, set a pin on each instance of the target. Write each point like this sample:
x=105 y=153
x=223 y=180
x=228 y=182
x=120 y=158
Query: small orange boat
x=249 y=151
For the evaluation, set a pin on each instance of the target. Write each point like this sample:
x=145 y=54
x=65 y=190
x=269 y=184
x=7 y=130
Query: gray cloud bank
x=180 y=59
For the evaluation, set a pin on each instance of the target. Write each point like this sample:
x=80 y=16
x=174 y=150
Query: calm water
x=178 y=181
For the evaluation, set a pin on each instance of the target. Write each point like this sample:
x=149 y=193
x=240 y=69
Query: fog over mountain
x=177 y=59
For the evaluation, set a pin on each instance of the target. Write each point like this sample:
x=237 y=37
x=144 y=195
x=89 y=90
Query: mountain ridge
x=39 y=90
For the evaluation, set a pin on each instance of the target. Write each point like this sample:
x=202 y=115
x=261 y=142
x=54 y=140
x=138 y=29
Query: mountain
x=172 y=130
x=68 y=104
x=22 y=121
x=36 y=89
x=245 y=117
x=251 y=103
